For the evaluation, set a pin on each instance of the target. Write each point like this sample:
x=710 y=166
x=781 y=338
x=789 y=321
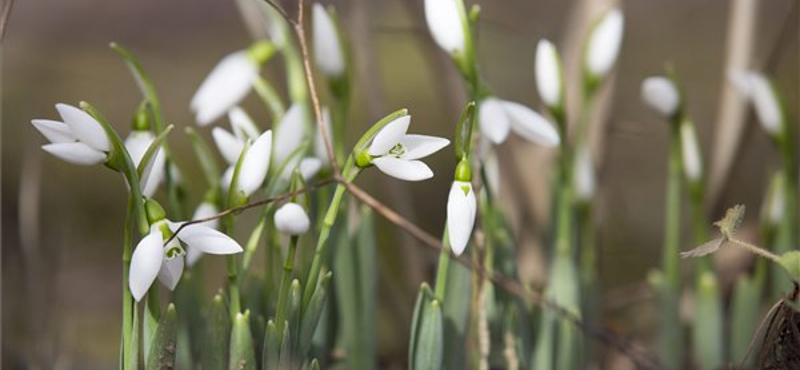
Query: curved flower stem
x=129 y=348
x=283 y=295
x=441 y=269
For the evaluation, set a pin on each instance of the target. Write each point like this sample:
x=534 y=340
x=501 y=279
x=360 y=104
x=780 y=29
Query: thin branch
x=281 y=11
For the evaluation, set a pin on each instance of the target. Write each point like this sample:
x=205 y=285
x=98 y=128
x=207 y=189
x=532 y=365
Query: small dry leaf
x=733 y=218
x=705 y=249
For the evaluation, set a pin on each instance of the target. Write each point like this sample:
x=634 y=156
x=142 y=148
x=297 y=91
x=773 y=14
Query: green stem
x=441 y=270
x=129 y=353
x=283 y=296
x=672 y=219
x=699 y=224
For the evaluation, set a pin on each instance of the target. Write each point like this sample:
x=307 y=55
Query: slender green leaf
x=163 y=348
x=242 y=354
x=205 y=156
x=215 y=355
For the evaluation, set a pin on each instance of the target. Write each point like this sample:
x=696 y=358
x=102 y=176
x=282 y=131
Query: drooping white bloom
x=78 y=139
x=328 y=54
x=226 y=85
x=152 y=258
x=254 y=168
x=289 y=133
x=549 y=81
x=137 y=143
x=230 y=144
x=692 y=163
x=660 y=94
x=497 y=117
x=758 y=89
x=309 y=167
x=604 y=43
x=397 y=154
x=584 y=174
x=461 y=208
x=444 y=23
x=291 y=219
x=204 y=210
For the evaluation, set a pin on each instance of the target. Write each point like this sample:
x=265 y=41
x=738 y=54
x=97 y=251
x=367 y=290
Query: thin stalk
x=672 y=219
x=441 y=269
x=283 y=296
x=129 y=350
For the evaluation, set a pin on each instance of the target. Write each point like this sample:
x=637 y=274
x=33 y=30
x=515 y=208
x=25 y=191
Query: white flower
x=396 y=153
x=291 y=219
x=775 y=203
x=549 y=81
x=328 y=55
x=497 y=117
x=444 y=22
x=137 y=143
x=461 y=208
x=661 y=95
x=309 y=167
x=204 y=210
x=584 y=175
x=491 y=167
x=604 y=43
x=757 y=88
x=255 y=166
x=226 y=85
x=692 y=163
x=152 y=258
x=289 y=133
x=230 y=144
x=79 y=139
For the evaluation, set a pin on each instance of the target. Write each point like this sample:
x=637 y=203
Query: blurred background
x=62 y=224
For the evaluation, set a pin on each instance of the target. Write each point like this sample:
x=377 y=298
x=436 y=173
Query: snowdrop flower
x=229 y=82
x=230 y=145
x=397 y=154
x=204 y=210
x=497 y=117
x=604 y=44
x=152 y=258
x=692 y=163
x=254 y=167
x=444 y=22
x=549 y=79
x=584 y=175
x=661 y=95
x=309 y=167
x=289 y=133
x=137 y=143
x=78 y=139
x=758 y=89
x=461 y=209
x=328 y=51
x=291 y=219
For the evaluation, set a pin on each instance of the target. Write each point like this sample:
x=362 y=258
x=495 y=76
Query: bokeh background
x=62 y=224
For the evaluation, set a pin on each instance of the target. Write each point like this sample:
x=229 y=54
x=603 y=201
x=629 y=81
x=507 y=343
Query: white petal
x=76 y=153
x=776 y=202
x=226 y=85
x=170 y=272
x=444 y=22
x=242 y=125
x=661 y=95
x=402 y=169
x=740 y=81
x=289 y=133
x=54 y=131
x=421 y=146
x=206 y=210
x=309 y=167
x=84 y=127
x=531 y=125
x=766 y=103
x=492 y=168
x=584 y=175
x=229 y=145
x=319 y=143
x=460 y=215
x=692 y=163
x=227 y=177
x=291 y=219
x=255 y=164
x=145 y=263
x=389 y=136
x=493 y=120
x=327 y=50
x=604 y=43
x=153 y=173
x=548 y=73
x=206 y=239
x=137 y=143
x=193 y=255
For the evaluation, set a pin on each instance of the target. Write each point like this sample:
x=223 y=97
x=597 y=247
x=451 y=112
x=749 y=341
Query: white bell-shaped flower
x=328 y=52
x=203 y=211
x=137 y=143
x=497 y=117
x=152 y=258
x=78 y=139
x=660 y=94
x=227 y=84
x=397 y=154
x=289 y=133
x=461 y=210
x=690 y=150
x=445 y=25
x=604 y=43
x=584 y=175
x=254 y=168
x=756 y=87
x=549 y=81
x=291 y=219
x=230 y=144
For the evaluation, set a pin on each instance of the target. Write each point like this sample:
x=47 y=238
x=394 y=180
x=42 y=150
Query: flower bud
x=444 y=22
x=660 y=94
x=549 y=81
x=291 y=219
